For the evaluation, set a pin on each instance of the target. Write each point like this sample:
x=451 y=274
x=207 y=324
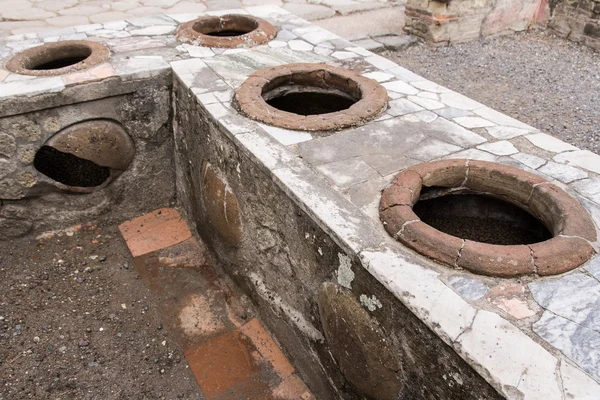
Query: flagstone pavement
x=345 y=17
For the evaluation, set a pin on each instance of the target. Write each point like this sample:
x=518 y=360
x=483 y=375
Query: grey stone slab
x=353 y=26
x=309 y=11
x=329 y=149
x=403 y=106
x=222 y=4
x=340 y=44
x=391 y=137
x=593 y=209
x=581 y=158
x=589 y=188
x=396 y=42
x=349 y=172
x=470 y=288
x=345 y=7
x=235 y=68
x=203 y=81
x=151 y=21
x=593 y=267
x=580 y=344
x=529 y=160
x=285 y=35
x=562 y=172
x=314 y=34
x=405 y=75
x=575 y=297
x=366 y=195
x=369 y=44
x=431 y=149
x=450 y=112
x=347 y=225
x=387 y=164
x=474 y=154
x=123 y=45
x=453 y=133
x=261 y=148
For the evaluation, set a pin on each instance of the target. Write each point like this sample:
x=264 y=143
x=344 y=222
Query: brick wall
x=462 y=20
x=577 y=20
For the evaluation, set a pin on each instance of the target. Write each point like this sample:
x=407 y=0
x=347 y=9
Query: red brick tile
x=229 y=367
x=292 y=389
x=156 y=230
x=268 y=348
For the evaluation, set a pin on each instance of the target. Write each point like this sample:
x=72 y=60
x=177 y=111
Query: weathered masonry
x=399 y=239
x=443 y=22
x=577 y=20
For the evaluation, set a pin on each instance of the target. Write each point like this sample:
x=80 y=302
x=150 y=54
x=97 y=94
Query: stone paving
x=23 y=16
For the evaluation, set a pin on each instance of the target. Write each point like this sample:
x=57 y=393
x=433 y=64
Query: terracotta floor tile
x=229 y=367
x=268 y=348
x=153 y=231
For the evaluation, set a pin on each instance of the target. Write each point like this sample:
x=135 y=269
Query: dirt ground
x=545 y=81
x=77 y=322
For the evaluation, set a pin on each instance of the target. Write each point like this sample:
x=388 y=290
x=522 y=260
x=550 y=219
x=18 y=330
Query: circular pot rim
x=249 y=97
x=262 y=33
x=19 y=63
x=571 y=225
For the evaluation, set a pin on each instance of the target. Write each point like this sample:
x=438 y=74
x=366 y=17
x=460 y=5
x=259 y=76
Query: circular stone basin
x=488 y=218
x=86 y=156
x=228 y=31
x=58 y=58
x=310 y=97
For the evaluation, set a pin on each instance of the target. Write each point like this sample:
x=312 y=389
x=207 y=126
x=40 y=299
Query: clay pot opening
x=479 y=217
x=58 y=58
x=488 y=218
x=86 y=156
x=312 y=97
x=69 y=169
x=229 y=31
x=235 y=25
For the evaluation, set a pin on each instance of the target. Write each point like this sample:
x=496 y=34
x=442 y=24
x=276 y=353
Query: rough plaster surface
x=38 y=203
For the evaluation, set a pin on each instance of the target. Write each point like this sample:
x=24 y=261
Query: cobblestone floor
x=22 y=16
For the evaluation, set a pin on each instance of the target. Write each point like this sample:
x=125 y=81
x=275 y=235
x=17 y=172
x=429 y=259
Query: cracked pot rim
x=28 y=62
x=371 y=98
x=258 y=31
x=567 y=220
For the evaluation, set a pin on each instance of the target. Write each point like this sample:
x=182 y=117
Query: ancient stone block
x=26 y=154
x=27 y=179
x=10 y=190
x=6 y=167
x=7 y=145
